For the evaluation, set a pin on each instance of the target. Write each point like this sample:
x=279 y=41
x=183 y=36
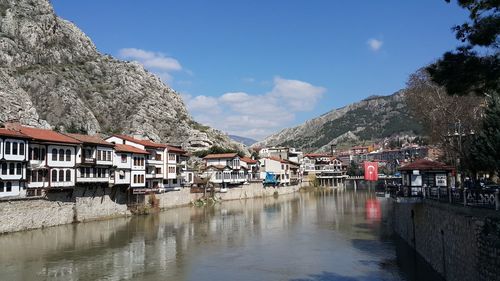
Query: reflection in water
x=310 y=236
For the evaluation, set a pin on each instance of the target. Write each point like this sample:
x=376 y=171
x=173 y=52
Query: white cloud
x=299 y=95
x=258 y=115
x=157 y=62
x=375 y=44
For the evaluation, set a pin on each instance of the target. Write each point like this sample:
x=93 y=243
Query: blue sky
x=252 y=68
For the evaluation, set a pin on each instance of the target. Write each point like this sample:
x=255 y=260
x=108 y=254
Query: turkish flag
x=371 y=171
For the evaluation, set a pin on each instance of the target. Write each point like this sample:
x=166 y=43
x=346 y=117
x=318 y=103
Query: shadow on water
x=331 y=276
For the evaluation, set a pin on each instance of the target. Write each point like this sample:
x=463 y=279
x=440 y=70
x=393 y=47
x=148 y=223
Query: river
x=304 y=236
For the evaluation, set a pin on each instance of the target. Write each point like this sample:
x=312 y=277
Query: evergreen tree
x=466 y=71
x=485 y=151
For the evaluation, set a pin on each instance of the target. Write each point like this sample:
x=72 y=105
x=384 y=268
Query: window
x=19 y=169
x=11 y=168
x=158 y=170
x=135 y=178
x=124 y=158
x=2 y=187
x=41 y=175
x=61 y=175
x=9 y=186
x=4 y=168
x=61 y=154
x=108 y=154
x=36 y=151
x=14 y=148
x=34 y=176
x=142 y=178
x=42 y=154
x=54 y=154
x=121 y=175
x=99 y=172
x=82 y=172
x=68 y=155
x=7 y=147
x=54 y=175
x=68 y=175
x=98 y=155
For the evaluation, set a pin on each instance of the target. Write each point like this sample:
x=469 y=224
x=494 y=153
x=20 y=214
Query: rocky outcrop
x=51 y=75
x=370 y=119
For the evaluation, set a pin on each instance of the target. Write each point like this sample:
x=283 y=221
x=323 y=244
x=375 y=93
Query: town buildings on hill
x=36 y=161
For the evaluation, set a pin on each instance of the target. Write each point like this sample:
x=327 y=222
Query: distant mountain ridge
x=373 y=118
x=243 y=140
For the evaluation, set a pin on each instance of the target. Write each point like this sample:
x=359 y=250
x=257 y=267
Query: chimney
x=333 y=149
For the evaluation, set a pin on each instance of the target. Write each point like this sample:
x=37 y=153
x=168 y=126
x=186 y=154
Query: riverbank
x=89 y=204
x=458 y=242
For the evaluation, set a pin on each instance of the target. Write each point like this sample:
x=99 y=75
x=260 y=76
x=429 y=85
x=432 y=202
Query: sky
x=252 y=68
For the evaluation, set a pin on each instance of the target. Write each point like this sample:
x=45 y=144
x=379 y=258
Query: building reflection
x=169 y=245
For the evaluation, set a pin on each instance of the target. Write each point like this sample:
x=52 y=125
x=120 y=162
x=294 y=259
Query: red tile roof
x=220 y=155
x=95 y=139
x=145 y=143
x=248 y=160
x=12 y=133
x=426 y=165
x=129 y=149
x=46 y=135
x=174 y=149
x=218 y=167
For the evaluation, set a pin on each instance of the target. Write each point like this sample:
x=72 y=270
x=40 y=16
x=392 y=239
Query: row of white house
x=33 y=161
x=232 y=169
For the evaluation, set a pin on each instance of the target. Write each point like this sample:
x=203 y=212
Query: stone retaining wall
x=253 y=190
x=460 y=243
x=95 y=203
x=83 y=204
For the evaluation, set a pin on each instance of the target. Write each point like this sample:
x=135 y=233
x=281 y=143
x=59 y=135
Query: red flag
x=371 y=171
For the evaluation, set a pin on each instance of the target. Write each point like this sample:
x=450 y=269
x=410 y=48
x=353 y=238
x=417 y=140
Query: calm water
x=307 y=236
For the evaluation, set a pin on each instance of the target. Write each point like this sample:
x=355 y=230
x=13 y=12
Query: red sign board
x=371 y=171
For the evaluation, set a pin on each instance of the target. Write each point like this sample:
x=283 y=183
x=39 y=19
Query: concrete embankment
x=458 y=242
x=87 y=204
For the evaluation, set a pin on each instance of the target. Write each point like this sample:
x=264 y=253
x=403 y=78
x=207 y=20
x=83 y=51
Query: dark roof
x=129 y=149
x=426 y=165
x=220 y=156
x=95 y=139
x=145 y=143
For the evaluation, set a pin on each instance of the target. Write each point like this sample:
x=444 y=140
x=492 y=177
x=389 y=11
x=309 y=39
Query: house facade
x=94 y=160
x=51 y=160
x=152 y=160
x=225 y=169
x=130 y=168
x=13 y=160
x=278 y=167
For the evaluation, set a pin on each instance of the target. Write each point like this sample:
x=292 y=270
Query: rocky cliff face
x=371 y=119
x=51 y=75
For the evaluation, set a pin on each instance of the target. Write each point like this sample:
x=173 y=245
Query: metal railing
x=479 y=198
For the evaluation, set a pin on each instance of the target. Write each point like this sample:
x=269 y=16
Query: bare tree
x=441 y=114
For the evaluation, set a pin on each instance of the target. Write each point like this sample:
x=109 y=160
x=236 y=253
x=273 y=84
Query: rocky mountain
x=52 y=75
x=374 y=118
x=243 y=140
